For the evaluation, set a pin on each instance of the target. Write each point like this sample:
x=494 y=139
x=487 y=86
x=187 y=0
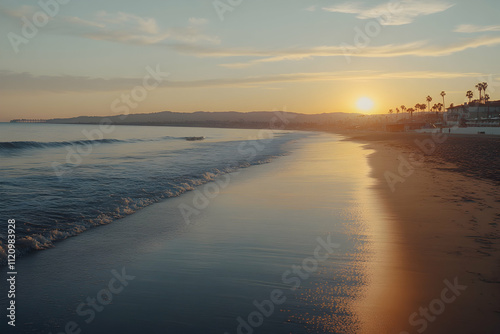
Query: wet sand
x=446 y=202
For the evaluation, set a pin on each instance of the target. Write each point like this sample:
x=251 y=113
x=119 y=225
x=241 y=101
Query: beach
x=314 y=241
x=444 y=195
x=279 y=247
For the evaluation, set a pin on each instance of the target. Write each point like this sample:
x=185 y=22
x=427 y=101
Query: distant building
x=474 y=114
x=405 y=126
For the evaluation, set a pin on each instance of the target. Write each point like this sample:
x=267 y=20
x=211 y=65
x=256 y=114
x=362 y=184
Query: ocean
x=246 y=231
x=60 y=180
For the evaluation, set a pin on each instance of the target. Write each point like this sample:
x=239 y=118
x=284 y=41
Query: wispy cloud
x=346 y=8
x=470 y=28
x=133 y=29
x=24 y=10
x=25 y=82
x=418 y=48
x=393 y=12
x=198 y=21
x=127 y=21
x=121 y=27
x=76 y=21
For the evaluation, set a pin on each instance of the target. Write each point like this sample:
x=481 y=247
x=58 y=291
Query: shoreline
x=426 y=232
x=448 y=219
x=202 y=276
x=297 y=127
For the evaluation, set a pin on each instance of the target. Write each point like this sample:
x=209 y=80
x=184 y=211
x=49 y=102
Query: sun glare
x=365 y=104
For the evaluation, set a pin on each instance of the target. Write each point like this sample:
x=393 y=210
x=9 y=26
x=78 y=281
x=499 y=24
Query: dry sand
x=447 y=210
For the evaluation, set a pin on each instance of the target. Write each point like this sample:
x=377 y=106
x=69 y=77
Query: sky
x=64 y=58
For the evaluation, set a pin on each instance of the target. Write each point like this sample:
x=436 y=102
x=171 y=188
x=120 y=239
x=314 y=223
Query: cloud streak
x=470 y=28
x=121 y=27
x=132 y=29
x=393 y=12
x=417 y=49
x=25 y=82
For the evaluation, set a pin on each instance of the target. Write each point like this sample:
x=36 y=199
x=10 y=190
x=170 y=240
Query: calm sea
x=60 y=180
x=214 y=275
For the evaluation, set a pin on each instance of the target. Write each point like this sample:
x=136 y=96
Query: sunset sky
x=306 y=56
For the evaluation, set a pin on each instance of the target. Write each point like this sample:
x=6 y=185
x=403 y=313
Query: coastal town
x=481 y=115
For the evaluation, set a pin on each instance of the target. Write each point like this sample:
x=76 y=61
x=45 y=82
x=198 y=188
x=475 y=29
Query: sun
x=365 y=104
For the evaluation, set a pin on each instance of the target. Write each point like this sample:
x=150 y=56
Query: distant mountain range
x=256 y=119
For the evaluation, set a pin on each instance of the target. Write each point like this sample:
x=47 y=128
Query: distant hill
x=256 y=119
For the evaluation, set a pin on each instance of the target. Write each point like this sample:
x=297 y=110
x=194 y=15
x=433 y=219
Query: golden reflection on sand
x=381 y=307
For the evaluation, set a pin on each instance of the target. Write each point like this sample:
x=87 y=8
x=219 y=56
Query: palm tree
x=422 y=106
x=485 y=85
x=451 y=105
x=410 y=110
x=391 y=111
x=440 y=107
x=469 y=95
x=479 y=87
x=417 y=107
x=486 y=99
x=443 y=93
x=403 y=108
x=429 y=99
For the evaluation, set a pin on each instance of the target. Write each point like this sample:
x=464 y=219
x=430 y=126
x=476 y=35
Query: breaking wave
x=19 y=145
x=48 y=209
